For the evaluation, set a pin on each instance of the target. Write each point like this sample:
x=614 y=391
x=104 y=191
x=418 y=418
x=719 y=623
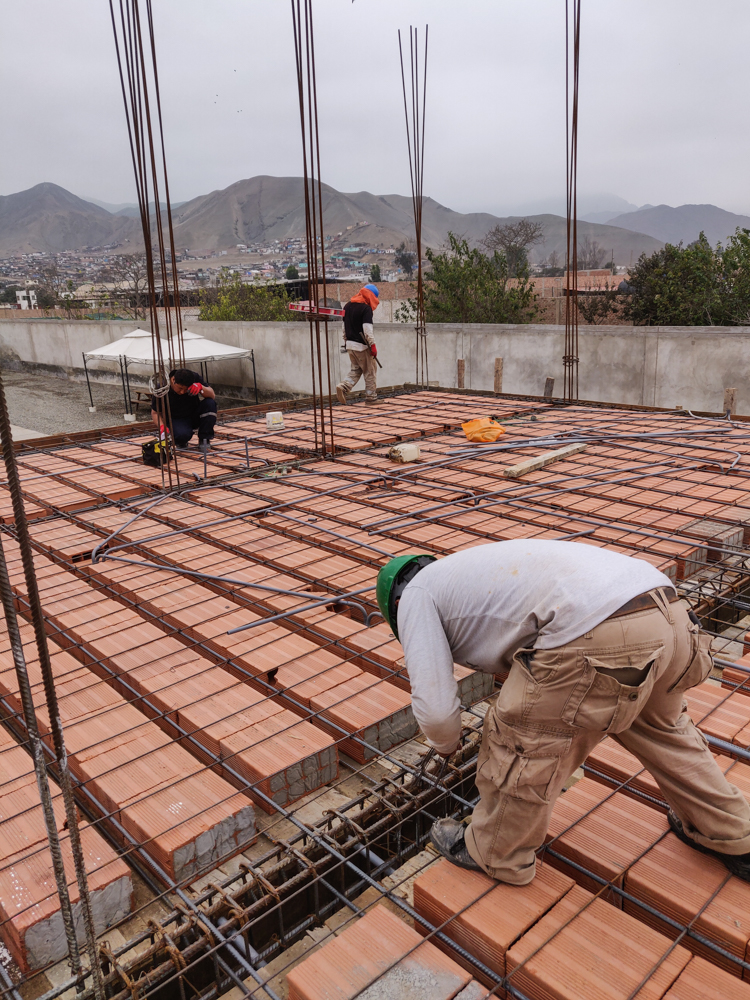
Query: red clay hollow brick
x=373 y=959
x=487 y=916
x=703 y=981
x=586 y=948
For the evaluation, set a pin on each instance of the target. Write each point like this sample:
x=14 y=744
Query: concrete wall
x=655 y=366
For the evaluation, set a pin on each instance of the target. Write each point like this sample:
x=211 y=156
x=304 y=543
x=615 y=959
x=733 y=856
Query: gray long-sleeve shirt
x=479 y=606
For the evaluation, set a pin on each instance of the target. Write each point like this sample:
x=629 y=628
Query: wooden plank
x=532 y=464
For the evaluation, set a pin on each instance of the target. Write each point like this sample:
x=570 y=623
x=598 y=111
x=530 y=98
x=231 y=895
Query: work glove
x=373 y=350
x=195 y=388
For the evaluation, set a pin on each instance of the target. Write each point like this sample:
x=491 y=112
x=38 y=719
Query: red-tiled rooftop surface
x=142 y=655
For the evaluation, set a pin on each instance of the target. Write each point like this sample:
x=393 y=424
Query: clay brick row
x=270 y=746
x=33 y=510
x=488 y=526
x=601 y=953
x=367 y=707
x=380 y=956
x=187 y=818
x=30 y=919
x=364 y=705
x=627 y=842
x=551 y=939
x=370 y=646
x=92 y=480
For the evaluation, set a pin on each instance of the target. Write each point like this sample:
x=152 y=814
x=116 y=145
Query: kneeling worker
x=192 y=405
x=359 y=343
x=598 y=644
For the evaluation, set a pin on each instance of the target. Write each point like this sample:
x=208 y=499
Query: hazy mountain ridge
x=683 y=224
x=48 y=218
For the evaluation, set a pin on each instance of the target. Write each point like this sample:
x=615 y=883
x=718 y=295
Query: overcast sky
x=663 y=99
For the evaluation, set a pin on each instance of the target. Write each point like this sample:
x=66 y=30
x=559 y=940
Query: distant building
x=26 y=298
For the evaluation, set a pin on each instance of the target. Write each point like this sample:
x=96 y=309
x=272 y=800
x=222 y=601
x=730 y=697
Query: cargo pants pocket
x=599 y=702
x=521 y=761
x=699 y=664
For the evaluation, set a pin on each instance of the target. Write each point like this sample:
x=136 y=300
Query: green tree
x=467 y=286
x=233 y=300
x=405 y=259
x=696 y=285
x=9 y=294
x=601 y=306
x=514 y=241
x=46 y=299
x=375 y=272
x=292 y=272
x=735 y=279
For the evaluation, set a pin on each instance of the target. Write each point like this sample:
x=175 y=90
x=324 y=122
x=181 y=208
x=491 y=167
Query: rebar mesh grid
x=253 y=915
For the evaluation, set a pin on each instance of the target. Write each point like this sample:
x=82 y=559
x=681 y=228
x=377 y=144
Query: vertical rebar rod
x=136 y=86
x=314 y=102
x=304 y=51
x=58 y=740
x=312 y=291
x=570 y=354
x=415 y=143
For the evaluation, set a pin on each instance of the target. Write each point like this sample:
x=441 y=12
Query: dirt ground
x=52 y=405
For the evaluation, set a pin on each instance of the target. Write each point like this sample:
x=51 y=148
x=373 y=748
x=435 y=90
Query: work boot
x=371 y=400
x=341 y=393
x=738 y=864
x=448 y=839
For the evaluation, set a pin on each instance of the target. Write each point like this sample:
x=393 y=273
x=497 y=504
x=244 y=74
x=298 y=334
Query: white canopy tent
x=135 y=348
x=197 y=349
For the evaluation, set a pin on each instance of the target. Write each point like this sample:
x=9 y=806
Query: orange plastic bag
x=482 y=429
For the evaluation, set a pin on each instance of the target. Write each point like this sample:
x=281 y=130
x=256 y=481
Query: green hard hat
x=392 y=579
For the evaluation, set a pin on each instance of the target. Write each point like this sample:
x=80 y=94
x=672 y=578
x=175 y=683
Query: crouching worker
x=597 y=644
x=360 y=344
x=192 y=405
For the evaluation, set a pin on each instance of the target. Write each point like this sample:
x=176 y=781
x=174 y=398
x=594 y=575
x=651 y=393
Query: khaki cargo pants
x=363 y=363
x=626 y=679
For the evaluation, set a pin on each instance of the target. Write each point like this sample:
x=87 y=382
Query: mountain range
x=683 y=224
x=47 y=218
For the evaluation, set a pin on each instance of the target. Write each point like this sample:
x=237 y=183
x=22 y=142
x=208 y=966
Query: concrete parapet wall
x=652 y=366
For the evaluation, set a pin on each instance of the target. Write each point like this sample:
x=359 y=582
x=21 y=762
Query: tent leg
x=92 y=408
x=127 y=382
x=124 y=393
x=130 y=417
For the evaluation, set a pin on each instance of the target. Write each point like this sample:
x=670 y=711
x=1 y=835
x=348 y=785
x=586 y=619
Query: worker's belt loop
x=662 y=604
